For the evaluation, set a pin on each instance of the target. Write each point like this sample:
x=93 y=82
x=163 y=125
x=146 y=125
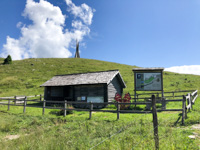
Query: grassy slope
x=22 y=78
x=75 y=131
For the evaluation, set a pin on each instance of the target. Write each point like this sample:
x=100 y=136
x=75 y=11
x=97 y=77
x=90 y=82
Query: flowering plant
x=126 y=99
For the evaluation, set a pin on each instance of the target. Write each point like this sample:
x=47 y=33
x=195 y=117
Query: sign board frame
x=147 y=71
x=140 y=82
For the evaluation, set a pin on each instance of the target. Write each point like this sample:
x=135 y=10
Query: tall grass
x=103 y=131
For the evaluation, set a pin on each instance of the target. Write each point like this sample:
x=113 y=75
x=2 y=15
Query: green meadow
x=24 y=77
x=52 y=131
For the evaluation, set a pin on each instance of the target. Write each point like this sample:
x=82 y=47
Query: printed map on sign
x=148 y=82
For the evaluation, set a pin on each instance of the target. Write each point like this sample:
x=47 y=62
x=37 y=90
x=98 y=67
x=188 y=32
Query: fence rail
x=187 y=102
x=18 y=97
x=172 y=93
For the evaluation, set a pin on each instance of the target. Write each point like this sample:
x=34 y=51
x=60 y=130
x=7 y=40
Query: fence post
x=163 y=103
x=136 y=97
x=65 y=107
x=183 y=111
x=157 y=95
x=8 y=104
x=191 y=97
x=185 y=108
x=15 y=97
x=91 y=108
x=190 y=101
x=155 y=122
x=44 y=104
x=173 y=94
x=40 y=97
x=118 y=110
x=25 y=99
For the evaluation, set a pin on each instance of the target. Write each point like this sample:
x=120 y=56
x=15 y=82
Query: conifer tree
x=8 y=60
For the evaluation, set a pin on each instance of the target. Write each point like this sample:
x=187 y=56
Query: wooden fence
x=18 y=97
x=187 y=103
x=170 y=94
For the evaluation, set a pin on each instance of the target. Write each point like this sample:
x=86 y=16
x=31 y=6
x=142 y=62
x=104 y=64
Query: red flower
x=118 y=97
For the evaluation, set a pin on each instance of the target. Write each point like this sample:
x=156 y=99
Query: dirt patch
x=196 y=134
x=196 y=127
x=12 y=137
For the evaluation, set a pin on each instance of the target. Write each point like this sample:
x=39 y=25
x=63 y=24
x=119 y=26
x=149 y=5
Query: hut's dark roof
x=103 y=77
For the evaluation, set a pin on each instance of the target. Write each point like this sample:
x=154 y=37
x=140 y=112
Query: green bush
x=8 y=60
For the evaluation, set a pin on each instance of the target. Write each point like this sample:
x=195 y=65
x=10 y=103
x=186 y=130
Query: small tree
x=8 y=60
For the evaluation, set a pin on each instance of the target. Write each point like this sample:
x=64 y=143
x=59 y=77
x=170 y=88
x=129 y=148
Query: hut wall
x=86 y=92
x=54 y=93
x=45 y=93
x=68 y=93
x=113 y=88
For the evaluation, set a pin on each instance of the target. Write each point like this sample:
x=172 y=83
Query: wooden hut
x=86 y=87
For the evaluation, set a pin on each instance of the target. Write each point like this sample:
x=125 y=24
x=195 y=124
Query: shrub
x=126 y=99
x=8 y=60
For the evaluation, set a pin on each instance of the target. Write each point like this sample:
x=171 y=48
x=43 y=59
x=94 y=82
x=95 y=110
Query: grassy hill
x=33 y=131
x=24 y=77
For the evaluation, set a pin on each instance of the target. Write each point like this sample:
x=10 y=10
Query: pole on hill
x=77 y=55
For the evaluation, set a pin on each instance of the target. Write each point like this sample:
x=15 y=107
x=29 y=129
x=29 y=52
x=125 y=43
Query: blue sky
x=146 y=33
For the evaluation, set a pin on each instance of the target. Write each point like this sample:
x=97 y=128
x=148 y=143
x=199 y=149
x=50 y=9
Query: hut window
x=96 y=99
x=57 y=91
x=81 y=98
x=84 y=91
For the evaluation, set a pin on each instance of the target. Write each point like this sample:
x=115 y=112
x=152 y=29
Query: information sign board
x=148 y=81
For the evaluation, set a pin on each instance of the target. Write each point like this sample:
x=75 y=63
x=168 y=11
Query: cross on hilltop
x=77 y=55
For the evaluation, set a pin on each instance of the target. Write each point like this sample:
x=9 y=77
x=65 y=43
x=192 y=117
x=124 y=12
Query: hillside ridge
x=24 y=77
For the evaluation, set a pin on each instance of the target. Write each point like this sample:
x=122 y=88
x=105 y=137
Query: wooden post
x=173 y=94
x=15 y=97
x=65 y=108
x=135 y=89
x=118 y=110
x=163 y=103
x=8 y=104
x=91 y=108
x=25 y=99
x=157 y=95
x=44 y=104
x=136 y=97
x=189 y=101
x=40 y=97
x=191 y=98
x=186 y=107
x=155 y=122
x=183 y=111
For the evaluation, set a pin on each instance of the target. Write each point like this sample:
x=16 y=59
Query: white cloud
x=191 y=69
x=47 y=35
x=84 y=11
